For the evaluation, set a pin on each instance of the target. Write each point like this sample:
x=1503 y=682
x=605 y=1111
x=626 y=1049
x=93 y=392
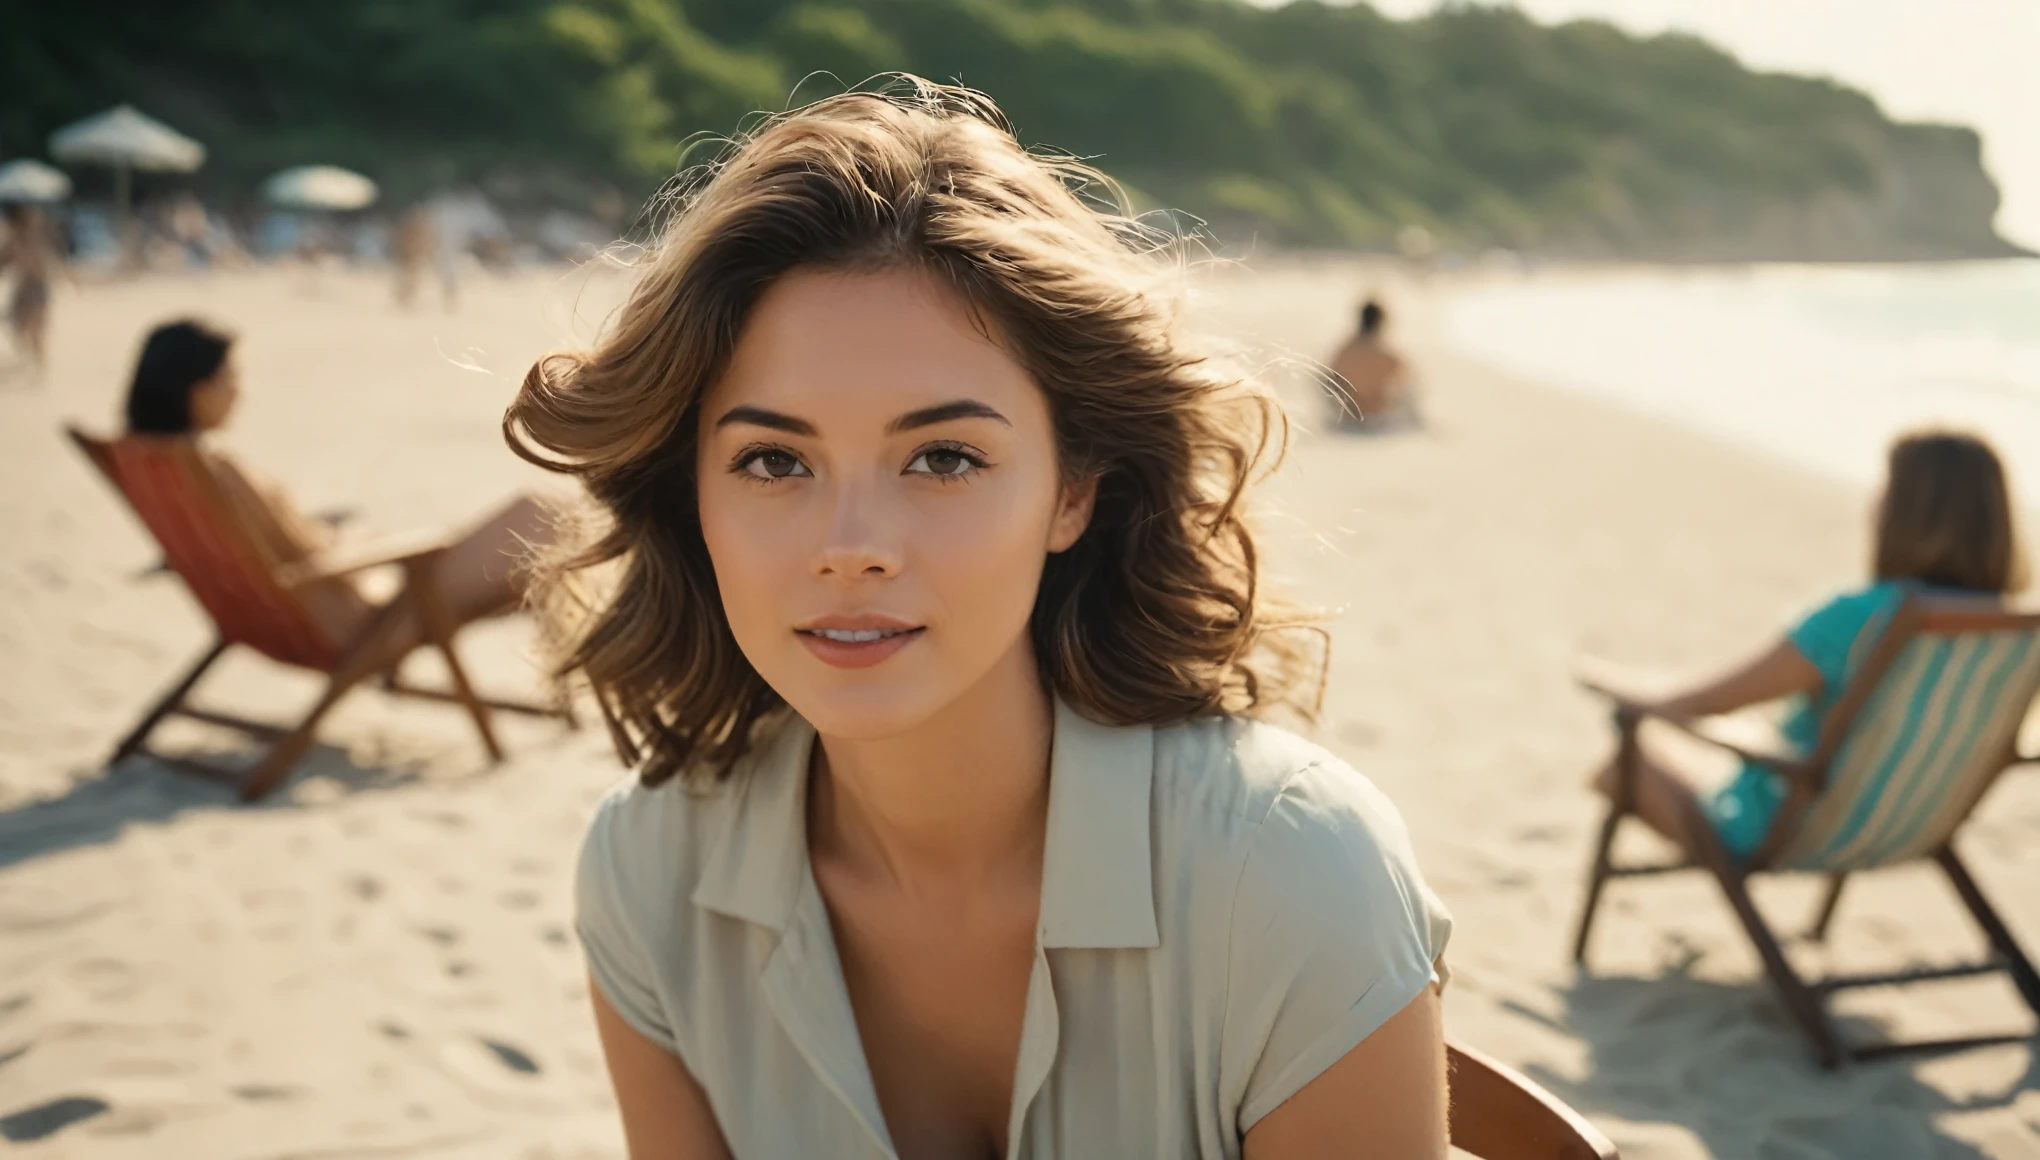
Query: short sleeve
x=1333 y=932
x=615 y=945
x=1828 y=635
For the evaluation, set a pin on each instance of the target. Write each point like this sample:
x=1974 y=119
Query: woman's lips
x=855 y=647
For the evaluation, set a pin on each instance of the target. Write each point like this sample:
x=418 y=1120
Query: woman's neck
x=958 y=802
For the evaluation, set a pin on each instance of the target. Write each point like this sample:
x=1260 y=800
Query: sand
x=379 y=961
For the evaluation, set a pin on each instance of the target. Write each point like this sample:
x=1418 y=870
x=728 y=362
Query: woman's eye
x=769 y=464
x=945 y=462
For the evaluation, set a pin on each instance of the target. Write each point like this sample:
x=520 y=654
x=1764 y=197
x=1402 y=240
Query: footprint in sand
x=47 y=1119
x=491 y=1066
x=446 y=818
x=265 y=1092
x=105 y=979
x=512 y=1058
x=271 y=897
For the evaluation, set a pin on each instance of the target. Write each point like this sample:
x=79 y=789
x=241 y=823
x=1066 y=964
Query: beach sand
x=379 y=961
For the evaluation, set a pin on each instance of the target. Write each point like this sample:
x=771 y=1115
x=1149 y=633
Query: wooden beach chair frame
x=378 y=649
x=1807 y=1000
x=1499 y=1114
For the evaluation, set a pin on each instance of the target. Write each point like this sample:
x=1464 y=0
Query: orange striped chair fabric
x=165 y=481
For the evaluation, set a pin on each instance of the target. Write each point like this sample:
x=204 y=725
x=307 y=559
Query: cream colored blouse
x=1226 y=910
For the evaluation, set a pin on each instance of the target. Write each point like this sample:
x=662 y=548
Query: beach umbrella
x=26 y=180
x=327 y=187
x=126 y=140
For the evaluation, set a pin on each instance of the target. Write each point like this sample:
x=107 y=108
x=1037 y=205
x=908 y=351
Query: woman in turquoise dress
x=1944 y=525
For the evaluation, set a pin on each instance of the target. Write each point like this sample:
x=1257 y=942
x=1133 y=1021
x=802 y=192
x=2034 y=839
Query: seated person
x=1374 y=380
x=185 y=384
x=1944 y=526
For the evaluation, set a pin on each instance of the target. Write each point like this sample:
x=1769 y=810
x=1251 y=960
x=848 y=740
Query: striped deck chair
x=1906 y=752
x=256 y=601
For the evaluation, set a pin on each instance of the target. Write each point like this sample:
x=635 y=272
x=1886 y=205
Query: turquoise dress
x=1837 y=638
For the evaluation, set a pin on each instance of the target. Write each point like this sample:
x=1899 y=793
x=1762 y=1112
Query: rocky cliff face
x=1926 y=196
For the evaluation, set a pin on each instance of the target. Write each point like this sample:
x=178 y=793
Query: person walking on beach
x=933 y=626
x=32 y=250
x=1373 y=380
x=1944 y=526
x=416 y=243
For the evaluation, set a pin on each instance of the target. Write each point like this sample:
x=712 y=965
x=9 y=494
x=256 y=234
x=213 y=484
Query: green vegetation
x=1307 y=124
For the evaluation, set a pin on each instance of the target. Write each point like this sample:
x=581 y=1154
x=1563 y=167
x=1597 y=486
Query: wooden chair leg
x=439 y=628
x=165 y=705
x=358 y=665
x=1818 y=932
x=2016 y=963
x=1628 y=762
x=1597 y=878
x=1800 y=1000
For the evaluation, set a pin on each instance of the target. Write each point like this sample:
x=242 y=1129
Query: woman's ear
x=1072 y=512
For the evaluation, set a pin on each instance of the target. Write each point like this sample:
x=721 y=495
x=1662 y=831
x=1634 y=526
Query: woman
x=186 y=383
x=1944 y=526
x=934 y=625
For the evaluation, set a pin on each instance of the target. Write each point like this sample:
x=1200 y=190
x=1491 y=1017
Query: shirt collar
x=1097 y=886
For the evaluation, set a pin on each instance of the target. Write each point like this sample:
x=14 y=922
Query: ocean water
x=1817 y=365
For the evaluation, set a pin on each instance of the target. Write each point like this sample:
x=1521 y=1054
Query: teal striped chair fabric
x=1925 y=745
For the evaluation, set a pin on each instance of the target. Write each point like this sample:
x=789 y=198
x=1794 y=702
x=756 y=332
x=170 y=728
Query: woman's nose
x=859 y=544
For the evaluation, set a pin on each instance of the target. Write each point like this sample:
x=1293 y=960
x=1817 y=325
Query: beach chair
x=1906 y=752
x=256 y=601
x=1498 y=1114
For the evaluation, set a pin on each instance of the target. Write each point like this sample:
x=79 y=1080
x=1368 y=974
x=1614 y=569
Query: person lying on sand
x=1372 y=387
x=185 y=385
x=1944 y=526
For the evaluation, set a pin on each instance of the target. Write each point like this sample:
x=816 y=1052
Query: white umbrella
x=26 y=180
x=122 y=137
x=319 y=187
x=126 y=140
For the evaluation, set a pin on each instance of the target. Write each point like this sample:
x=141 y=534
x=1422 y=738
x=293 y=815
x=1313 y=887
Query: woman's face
x=879 y=491
x=213 y=399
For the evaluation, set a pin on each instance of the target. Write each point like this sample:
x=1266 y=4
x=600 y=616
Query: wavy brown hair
x=1155 y=614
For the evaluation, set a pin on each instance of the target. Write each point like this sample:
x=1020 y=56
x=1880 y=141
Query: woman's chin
x=871 y=711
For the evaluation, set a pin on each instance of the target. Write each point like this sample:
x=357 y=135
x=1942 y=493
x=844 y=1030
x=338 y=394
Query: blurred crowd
x=178 y=232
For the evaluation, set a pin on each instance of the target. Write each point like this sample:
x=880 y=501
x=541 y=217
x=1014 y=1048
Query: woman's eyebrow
x=760 y=417
x=943 y=413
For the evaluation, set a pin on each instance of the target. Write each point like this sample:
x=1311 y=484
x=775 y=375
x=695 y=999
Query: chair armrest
x=352 y=558
x=1631 y=712
x=1496 y=1111
x=1705 y=729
